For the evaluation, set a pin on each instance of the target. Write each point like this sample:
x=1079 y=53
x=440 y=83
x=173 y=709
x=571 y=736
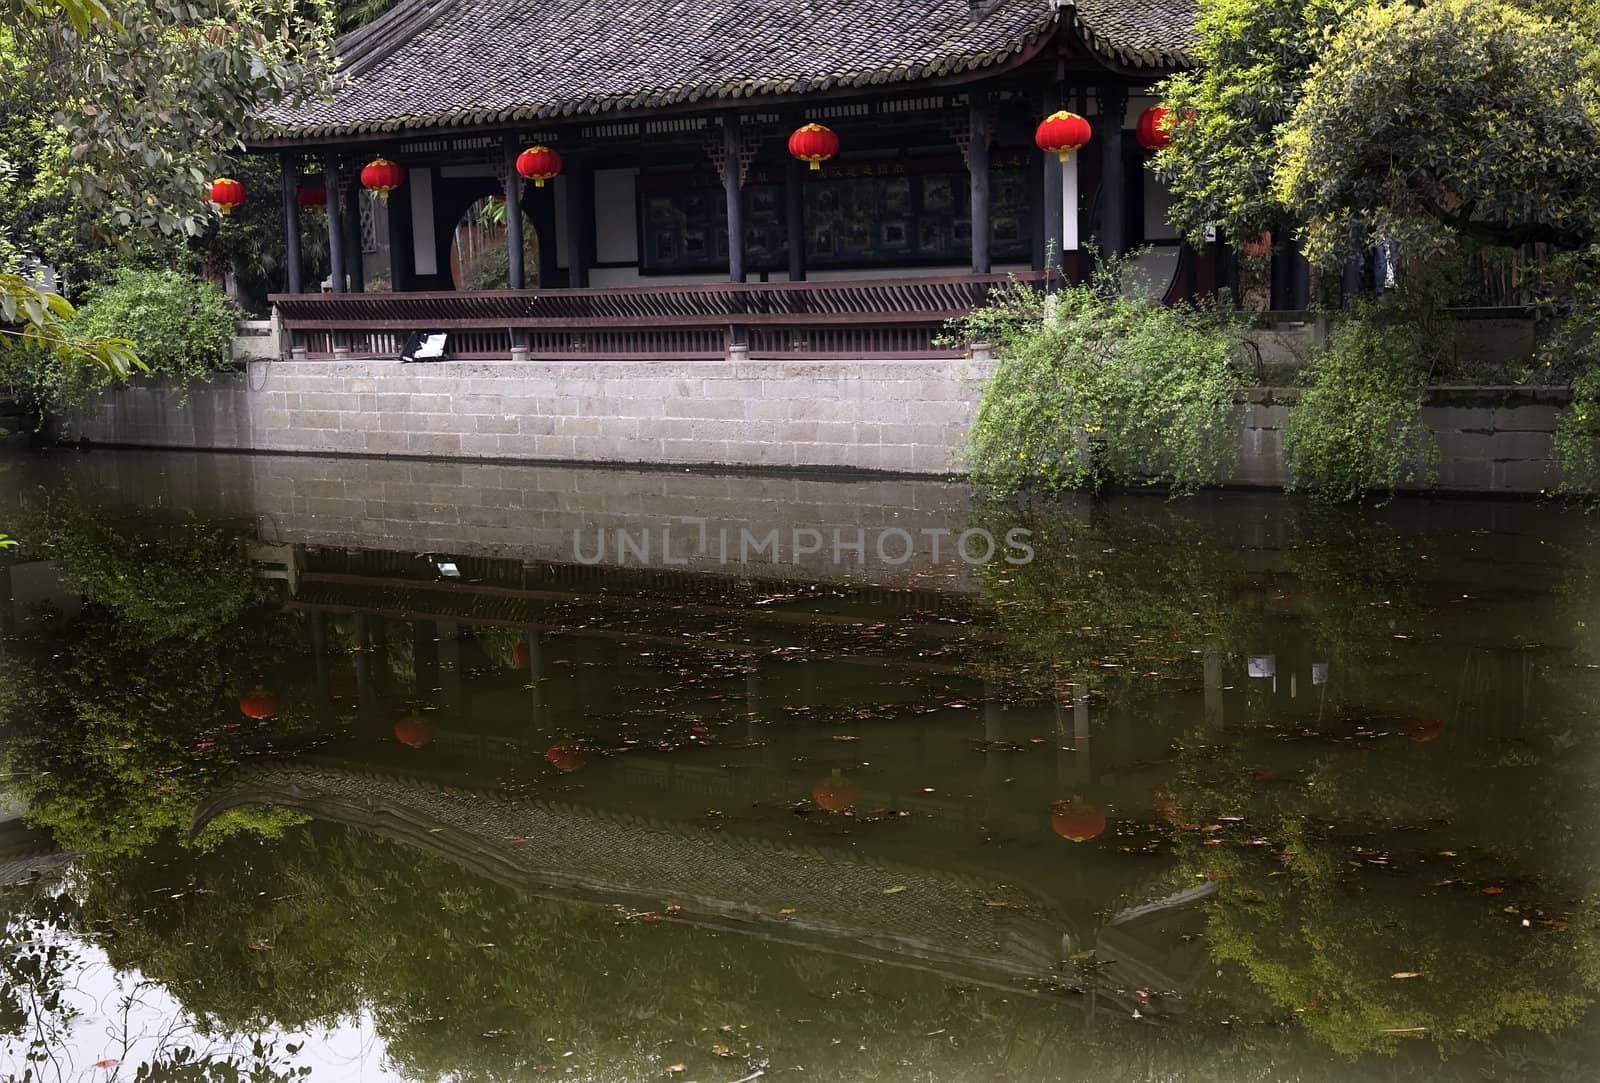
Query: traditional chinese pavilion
x=766 y=178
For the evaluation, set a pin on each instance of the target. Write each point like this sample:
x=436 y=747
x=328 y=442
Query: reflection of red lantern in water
x=413 y=730
x=566 y=758
x=1426 y=729
x=1076 y=820
x=519 y=656
x=836 y=793
x=259 y=704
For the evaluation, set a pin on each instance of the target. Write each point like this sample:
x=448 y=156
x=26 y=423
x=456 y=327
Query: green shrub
x=180 y=324
x=1358 y=426
x=1577 y=443
x=1094 y=386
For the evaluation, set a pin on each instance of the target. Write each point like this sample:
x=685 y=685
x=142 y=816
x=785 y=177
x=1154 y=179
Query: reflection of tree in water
x=1126 y=595
x=116 y=718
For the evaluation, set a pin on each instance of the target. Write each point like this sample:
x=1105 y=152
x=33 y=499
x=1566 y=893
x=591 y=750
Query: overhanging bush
x=1094 y=386
x=180 y=324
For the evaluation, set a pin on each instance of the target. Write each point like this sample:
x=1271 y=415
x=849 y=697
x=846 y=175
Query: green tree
x=172 y=87
x=1477 y=119
x=1252 y=62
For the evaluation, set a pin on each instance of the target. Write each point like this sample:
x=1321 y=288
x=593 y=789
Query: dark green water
x=1234 y=788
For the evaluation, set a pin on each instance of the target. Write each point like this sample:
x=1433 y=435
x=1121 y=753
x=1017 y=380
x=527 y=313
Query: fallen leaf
x=1493 y=890
x=894 y=890
x=1406 y=974
x=674 y=1069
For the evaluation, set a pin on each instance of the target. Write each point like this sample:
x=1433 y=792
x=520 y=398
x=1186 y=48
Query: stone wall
x=1491 y=439
x=900 y=416
x=904 y=417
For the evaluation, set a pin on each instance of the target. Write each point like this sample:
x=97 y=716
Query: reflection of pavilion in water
x=633 y=830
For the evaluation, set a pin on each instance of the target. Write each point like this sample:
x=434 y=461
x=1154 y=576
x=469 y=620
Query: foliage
x=1123 y=596
x=182 y=325
x=1357 y=427
x=174 y=86
x=123 y=712
x=1577 y=437
x=36 y=325
x=177 y=324
x=1252 y=60
x=1093 y=385
x=1474 y=118
x=1572 y=293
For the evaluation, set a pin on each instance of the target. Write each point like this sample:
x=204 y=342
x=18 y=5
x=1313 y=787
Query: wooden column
x=1051 y=218
x=794 y=214
x=402 y=243
x=1113 y=100
x=511 y=181
x=579 y=221
x=731 y=188
x=330 y=178
x=978 y=170
x=293 y=271
x=355 y=263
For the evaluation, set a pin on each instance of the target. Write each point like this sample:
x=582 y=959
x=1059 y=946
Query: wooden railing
x=877 y=318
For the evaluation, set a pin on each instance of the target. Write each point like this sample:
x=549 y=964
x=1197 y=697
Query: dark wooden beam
x=355 y=262
x=1113 y=101
x=512 y=181
x=978 y=171
x=293 y=271
x=794 y=216
x=731 y=188
x=579 y=220
x=330 y=178
x=402 y=242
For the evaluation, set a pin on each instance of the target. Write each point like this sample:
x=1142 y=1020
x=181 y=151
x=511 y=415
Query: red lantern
x=258 y=704
x=227 y=194
x=382 y=176
x=835 y=793
x=1154 y=129
x=313 y=195
x=1076 y=820
x=566 y=758
x=1062 y=133
x=413 y=730
x=813 y=143
x=539 y=164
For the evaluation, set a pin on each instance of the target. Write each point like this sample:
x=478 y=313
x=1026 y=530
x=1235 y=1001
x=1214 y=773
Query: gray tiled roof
x=468 y=62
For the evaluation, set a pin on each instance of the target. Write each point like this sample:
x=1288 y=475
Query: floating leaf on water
x=1406 y=974
x=1493 y=890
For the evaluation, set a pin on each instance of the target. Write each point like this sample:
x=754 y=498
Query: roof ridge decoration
x=437 y=64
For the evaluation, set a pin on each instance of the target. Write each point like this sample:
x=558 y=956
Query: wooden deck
x=868 y=318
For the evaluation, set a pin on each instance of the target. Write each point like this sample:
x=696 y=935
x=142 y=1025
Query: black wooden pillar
x=402 y=242
x=334 y=208
x=794 y=214
x=511 y=181
x=355 y=263
x=293 y=271
x=731 y=188
x=1051 y=199
x=580 y=219
x=1291 y=274
x=978 y=137
x=1113 y=100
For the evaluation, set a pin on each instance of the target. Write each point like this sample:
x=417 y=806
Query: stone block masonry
x=896 y=416
x=901 y=417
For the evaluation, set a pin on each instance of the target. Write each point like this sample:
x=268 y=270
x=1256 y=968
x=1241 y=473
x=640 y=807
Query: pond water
x=386 y=770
